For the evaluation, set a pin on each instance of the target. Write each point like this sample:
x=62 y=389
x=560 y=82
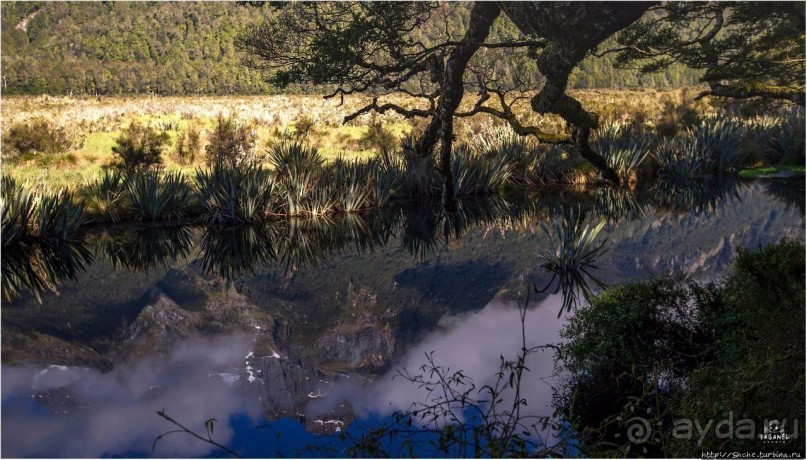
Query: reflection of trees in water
x=145 y=248
x=695 y=195
x=787 y=191
x=423 y=229
x=40 y=266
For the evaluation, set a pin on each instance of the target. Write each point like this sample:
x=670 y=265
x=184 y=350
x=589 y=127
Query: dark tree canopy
x=746 y=49
x=380 y=48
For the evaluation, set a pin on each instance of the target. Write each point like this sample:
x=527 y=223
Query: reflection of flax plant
x=695 y=195
x=40 y=240
x=230 y=252
x=615 y=204
x=146 y=248
x=305 y=242
x=574 y=254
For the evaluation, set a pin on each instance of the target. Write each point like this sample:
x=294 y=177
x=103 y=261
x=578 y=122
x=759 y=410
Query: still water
x=291 y=334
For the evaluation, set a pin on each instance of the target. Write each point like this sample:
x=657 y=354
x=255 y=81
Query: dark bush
x=189 y=145
x=139 y=148
x=674 y=349
x=37 y=137
x=378 y=138
x=230 y=144
x=304 y=125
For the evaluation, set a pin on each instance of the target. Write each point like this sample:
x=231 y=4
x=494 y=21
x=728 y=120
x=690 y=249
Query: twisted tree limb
x=765 y=91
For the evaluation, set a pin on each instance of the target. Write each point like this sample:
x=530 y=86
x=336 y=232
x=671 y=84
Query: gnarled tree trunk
x=442 y=124
x=572 y=30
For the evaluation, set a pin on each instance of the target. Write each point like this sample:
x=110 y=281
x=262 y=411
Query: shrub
x=354 y=183
x=59 y=217
x=231 y=143
x=623 y=148
x=39 y=136
x=18 y=210
x=389 y=176
x=378 y=138
x=234 y=195
x=47 y=217
x=678 y=157
x=780 y=138
x=718 y=141
x=672 y=349
x=496 y=141
x=139 y=148
x=474 y=174
x=299 y=174
x=303 y=125
x=189 y=145
x=107 y=193
x=527 y=162
x=546 y=165
x=153 y=195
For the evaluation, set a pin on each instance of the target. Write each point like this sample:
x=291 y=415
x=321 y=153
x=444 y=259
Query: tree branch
x=406 y=113
x=744 y=92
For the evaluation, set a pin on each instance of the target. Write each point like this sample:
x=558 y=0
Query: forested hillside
x=173 y=48
x=125 y=48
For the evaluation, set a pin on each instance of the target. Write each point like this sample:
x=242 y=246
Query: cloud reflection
x=77 y=412
x=472 y=343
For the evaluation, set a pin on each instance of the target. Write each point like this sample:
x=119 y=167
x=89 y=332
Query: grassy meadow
x=249 y=159
x=92 y=125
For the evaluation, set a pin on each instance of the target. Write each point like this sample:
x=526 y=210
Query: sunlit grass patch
x=764 y=171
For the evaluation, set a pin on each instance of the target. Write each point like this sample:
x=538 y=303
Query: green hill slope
x=173 y=48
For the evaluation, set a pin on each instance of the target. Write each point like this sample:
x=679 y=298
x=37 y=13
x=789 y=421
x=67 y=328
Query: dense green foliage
x=672 y=349
x=189 y=48
x=746 y=49
x=125 y=48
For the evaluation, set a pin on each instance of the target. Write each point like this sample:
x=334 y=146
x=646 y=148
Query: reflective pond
x=293 y=333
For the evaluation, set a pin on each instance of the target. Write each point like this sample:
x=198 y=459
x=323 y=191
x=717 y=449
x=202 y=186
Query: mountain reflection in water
x=305 y=321
x=81 y=412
